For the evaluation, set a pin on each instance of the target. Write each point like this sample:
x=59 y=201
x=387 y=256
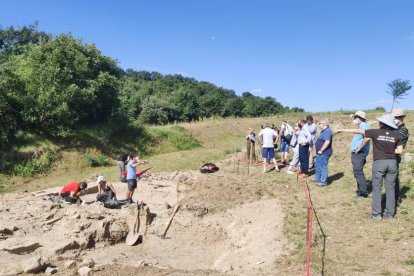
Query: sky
x=318 y=55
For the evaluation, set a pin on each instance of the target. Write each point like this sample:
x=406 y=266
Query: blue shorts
x=268 y=153
x=284 y=146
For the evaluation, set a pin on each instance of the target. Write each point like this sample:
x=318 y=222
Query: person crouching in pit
x=71 y=192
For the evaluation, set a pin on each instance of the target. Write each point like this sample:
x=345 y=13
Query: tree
x=398 y=88
x=158 y=111
x=13 y=41
x=65 y=84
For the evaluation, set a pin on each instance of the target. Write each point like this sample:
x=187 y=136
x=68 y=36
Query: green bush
x=94 y=158
x=34 y=165
x=380 y=109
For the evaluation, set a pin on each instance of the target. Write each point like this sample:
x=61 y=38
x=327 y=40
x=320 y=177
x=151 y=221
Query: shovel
x=133 y=234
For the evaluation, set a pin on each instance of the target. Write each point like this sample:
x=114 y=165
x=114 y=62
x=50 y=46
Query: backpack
x=209 y=168
x=112 y=204
x=288 y=132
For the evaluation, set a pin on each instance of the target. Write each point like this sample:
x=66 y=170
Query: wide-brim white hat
x=387 y=119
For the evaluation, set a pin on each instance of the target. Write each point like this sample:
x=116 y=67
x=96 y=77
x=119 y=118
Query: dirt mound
x=37 y=234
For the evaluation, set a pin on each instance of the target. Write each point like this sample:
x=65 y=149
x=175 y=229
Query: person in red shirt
x=71 y=191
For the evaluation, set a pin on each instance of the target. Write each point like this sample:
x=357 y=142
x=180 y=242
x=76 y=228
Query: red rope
x=310 y=223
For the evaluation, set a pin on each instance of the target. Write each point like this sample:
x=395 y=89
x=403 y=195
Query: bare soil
x=220 y=229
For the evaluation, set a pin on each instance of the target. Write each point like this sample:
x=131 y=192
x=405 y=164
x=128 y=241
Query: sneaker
x=375 y=218
x=388 y=217
x=277 y=169
x=320 y=184
x=290 y=172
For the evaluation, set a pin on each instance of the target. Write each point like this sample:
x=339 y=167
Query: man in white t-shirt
x=267 y=138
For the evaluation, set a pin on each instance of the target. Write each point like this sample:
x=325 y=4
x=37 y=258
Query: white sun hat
x=387 y=119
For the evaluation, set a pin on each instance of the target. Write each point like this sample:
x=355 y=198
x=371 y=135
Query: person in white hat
x=359 y=159
x=323 y=147
x=386 y=144
x=105 y=189
x=403 y=130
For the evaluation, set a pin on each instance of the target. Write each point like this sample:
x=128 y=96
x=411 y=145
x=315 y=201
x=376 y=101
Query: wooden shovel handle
x=176 y=207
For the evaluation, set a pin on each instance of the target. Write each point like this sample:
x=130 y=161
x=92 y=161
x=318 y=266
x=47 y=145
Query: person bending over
x=71 y=192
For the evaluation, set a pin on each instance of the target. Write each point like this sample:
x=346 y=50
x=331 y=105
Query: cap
x=101 y=178
x=398 y=112
x=387 y=119
x=361 y=114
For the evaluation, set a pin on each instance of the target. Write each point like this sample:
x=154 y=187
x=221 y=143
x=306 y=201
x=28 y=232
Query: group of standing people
x=302 y=138
x=388 y=141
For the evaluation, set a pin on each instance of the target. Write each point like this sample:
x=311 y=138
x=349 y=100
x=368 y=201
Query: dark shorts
x=268 y=153
x=132 y=184
x=66 y=196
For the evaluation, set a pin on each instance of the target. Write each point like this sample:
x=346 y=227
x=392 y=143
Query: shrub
x=94 y=158
x=380 y=109
x=33 y=165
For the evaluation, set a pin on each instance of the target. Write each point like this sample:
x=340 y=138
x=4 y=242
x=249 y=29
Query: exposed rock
x=6 y=231
x=34 y=265
x=88 y=262
x=113 y=231
x=69 y=264
x=85 y=271
x=22 y=248
x=96 y=216
x=66 y=246
x=51 y=270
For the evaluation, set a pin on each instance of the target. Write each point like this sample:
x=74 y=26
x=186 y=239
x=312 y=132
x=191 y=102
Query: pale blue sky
x=319 y=55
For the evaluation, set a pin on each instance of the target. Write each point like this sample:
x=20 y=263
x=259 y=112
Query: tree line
x=54 y=85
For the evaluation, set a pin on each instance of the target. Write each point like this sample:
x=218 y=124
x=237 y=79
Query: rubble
x=85 y=271
x=34 y=265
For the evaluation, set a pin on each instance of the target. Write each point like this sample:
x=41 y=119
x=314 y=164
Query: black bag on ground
x=112 y=204
x=209 y=168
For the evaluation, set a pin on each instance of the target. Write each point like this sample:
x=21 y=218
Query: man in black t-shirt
x=386 y=144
